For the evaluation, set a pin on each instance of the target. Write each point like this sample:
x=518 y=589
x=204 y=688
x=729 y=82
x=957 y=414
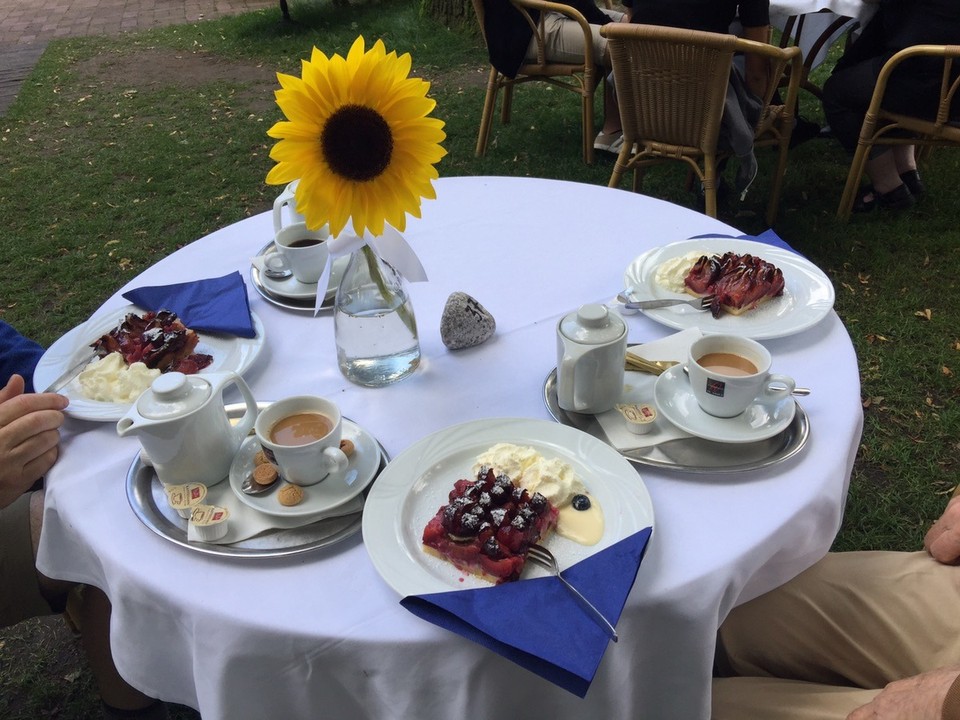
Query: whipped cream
x=553 y=478
x=109 y=379
x=670 y=273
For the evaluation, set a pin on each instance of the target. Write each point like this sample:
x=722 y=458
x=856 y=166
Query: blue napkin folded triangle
x=537 y=623
x=215 y=305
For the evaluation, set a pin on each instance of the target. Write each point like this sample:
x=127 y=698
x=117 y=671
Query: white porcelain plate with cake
x=676 y=402
x=417 y=483
x=228 y=352
x=325 y=495
x=807 y=297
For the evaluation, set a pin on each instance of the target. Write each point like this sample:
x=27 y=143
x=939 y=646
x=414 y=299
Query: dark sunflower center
x=357 y=143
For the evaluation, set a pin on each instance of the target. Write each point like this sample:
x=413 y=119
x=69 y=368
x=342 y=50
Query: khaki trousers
x=563 y=39
x=828 y=641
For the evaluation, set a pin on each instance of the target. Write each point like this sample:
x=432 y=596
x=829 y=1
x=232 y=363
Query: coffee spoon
x=249 y=487
x=800 y=391
x=275 y=267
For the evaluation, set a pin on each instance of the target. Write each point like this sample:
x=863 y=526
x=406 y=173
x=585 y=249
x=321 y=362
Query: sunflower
x=358 y=138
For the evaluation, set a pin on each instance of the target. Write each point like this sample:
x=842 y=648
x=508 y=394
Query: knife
x=70 y=373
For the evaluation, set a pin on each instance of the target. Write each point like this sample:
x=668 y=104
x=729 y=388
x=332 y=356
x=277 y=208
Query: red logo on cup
x=715 y=387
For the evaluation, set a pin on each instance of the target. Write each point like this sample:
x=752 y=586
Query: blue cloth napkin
x=768 y=237
x=537 y=623
x=217 y=305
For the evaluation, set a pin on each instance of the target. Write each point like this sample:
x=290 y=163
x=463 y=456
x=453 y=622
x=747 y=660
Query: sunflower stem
x=373 y=266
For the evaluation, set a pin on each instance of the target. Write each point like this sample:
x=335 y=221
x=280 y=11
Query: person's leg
x=854 y=620
x=20 y=593
x=753 y=698
x=563 y=40
x=120 y=699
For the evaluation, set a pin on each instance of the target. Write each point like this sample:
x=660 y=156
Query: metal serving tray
x=149 y=503
x=693 y=455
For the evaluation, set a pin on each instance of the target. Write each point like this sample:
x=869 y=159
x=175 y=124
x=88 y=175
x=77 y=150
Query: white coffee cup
x=294 y=420
x=728 y=373
x=303 y=250
x=286 y=200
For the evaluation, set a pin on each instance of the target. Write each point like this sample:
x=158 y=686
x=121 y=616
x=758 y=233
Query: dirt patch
x=163 y=67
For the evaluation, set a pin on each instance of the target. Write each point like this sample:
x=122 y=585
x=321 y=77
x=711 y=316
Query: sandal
x=897 y=199
x=911 y=178
x=607 y=141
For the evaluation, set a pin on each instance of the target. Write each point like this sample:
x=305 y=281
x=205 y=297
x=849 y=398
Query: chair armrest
x=545 y=6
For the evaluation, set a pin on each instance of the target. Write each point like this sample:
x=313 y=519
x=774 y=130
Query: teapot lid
x=173 y=395
x=592 y=324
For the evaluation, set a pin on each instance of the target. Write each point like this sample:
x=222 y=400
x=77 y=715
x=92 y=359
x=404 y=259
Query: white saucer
x=675 y=400
x=291 y=287
x=325 y=495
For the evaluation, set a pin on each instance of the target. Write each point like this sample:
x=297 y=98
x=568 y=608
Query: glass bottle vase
x=374 y=324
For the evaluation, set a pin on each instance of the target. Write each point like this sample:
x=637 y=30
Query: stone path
x=26 y=26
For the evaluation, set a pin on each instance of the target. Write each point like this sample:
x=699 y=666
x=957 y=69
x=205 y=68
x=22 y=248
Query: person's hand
x=943 y=538
x=29 y=437
x=915 y=698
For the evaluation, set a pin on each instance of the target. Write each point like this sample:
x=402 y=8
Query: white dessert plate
x=807 y=297
x=675 y=400
x=325 y=495
x=416 y=483
x=229 y=353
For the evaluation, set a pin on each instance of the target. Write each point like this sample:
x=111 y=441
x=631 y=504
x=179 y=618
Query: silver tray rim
x=793 y=438
x=139 y=483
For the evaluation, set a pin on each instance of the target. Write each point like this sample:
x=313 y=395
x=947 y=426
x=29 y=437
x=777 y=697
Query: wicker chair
x=581 y=79
x=881 y=127
x=671 y=84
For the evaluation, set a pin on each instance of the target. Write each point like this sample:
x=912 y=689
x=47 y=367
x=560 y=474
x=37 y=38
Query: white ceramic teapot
x=184 y=429
x=591 y=349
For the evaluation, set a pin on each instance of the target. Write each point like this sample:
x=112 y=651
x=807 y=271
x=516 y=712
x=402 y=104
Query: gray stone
x=465 y=322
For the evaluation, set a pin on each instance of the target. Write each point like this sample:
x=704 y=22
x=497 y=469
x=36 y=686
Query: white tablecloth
x=320 y=634
x=818 y=16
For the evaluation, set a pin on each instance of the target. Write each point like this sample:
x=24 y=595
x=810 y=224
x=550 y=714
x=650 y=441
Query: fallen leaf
x=863 y=278
x=946 y=371
x=70 y=677
x=926 y=313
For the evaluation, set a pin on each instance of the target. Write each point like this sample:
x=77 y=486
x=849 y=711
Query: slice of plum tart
x=487 y=526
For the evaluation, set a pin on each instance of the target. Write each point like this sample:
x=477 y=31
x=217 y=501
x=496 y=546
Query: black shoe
x=897 y=199
x=803 y=130
x=911 y=178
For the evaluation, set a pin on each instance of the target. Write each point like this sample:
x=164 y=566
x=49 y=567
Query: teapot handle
x=245 y=424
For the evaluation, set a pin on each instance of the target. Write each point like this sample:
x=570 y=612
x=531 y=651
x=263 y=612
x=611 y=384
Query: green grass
x=108 y=164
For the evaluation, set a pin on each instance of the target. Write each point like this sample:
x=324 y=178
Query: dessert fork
x=698 y=303
x=543 y=557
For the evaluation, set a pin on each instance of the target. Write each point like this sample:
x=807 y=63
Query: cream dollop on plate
x=109 y=379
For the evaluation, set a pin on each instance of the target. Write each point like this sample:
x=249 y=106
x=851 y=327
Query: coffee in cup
x=303 y=250
x=728 y=373
x=301 y=436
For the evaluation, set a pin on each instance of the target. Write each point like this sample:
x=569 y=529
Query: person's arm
x=29 y=437
x=921 y=697
x=589 y=9
x=757 y=68
x=942 y=540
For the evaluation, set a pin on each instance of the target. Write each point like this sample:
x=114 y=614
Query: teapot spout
x=125 y=426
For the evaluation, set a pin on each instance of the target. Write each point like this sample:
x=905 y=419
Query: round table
x=320 y=634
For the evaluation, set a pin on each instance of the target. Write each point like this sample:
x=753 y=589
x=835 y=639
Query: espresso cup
x=301 y=436
x=303 y=250
x=728 y=373
x=286 y=200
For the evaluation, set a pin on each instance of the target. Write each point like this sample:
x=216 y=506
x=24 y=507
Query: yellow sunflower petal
x=339 y=188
